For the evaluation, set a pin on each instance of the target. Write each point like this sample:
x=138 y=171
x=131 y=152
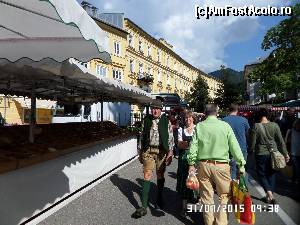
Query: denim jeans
x=266 y=174
x=234 y=168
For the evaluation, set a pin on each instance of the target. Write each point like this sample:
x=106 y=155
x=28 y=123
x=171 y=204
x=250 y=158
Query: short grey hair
x=211 y=109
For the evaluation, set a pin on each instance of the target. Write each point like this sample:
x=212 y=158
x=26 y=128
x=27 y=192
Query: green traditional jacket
x=162 y=130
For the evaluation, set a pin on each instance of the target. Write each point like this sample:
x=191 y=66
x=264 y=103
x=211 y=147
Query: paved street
x=115 y=199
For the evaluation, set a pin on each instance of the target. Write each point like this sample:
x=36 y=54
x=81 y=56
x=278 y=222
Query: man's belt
x=213 y=161
x=154 y=146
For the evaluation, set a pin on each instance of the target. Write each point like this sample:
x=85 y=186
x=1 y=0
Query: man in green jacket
x=156 y=152
x=209 y=153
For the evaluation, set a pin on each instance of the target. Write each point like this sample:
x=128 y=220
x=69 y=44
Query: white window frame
x=149 y=50
x=131 y=65
x=101 y=70
x=117 y=48
x=168 y=79
x=141 y=68
x=158 y=55
x=159 y=75
x=130 y=40
x=140 y=45
x=149 y=70
x=117 y=74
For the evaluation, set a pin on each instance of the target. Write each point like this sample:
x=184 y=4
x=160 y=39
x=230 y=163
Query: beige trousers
x=212 y=175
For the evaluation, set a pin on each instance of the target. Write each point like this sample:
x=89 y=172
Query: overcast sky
x=207 y=44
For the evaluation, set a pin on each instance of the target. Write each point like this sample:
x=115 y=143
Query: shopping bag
x=242 y=202
x=192 y=181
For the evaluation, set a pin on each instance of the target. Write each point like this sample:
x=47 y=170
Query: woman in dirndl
x=184 y=138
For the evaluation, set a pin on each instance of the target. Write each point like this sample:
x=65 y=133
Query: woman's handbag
x=277 y=159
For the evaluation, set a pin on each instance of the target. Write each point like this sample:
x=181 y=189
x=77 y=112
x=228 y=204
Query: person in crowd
x=294 y=136
x=181 y=117
x=2 y=120
x=175 y=126
x=212 y=141
x=240 y=127
x=184 y=137
x=266 y=135
x=156 y=152
x=287 y=121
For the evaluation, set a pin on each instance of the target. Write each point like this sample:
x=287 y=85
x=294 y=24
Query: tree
x=199 y=96
x=280 y=71
x=230 y=91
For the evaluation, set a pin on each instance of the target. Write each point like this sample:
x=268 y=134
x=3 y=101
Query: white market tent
x=41 y=44
x=56 y=29
x=66 y=82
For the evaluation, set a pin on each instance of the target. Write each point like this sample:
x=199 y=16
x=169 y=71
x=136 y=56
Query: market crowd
x=215 y=150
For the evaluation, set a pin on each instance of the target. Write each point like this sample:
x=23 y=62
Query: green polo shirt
x=213 y=139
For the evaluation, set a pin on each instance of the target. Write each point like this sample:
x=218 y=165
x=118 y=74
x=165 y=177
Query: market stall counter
x=63 y=159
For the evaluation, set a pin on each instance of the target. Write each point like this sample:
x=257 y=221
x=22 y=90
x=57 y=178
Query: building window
x=158 y=55
x=175 y=66
x=130 y=40
x=101 y=70
x=175 y=85
x=149 y=51
x=167 y=63
x=131 y=65
x=117 y=74
x=141 y=68
x=168 y=79
x=140 y=46
x=159 y=75
x=117 y=48
x=150 y=70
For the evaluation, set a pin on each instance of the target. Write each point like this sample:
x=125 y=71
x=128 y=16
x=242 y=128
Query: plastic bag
x=241 y=197
x=192 y=181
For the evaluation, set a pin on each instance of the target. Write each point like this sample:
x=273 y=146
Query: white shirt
x=185 y=132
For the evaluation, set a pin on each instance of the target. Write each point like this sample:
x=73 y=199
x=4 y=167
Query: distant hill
x=236 y=78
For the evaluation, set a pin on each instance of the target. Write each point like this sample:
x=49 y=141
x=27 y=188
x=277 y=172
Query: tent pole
x=101 y=105
x=32 y=115
x=4 y=108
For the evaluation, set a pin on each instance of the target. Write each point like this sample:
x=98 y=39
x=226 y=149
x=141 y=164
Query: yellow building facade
x=145 y=62
x=16 y=110
x=153 y=65
x=213 y=85
x=117 y=47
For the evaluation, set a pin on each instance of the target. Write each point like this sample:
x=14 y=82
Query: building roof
x=110 y=25
x=157 y=42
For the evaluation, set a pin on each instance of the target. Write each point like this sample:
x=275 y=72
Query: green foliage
x=199 y=96
x=280 y=70
x=230 y=91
